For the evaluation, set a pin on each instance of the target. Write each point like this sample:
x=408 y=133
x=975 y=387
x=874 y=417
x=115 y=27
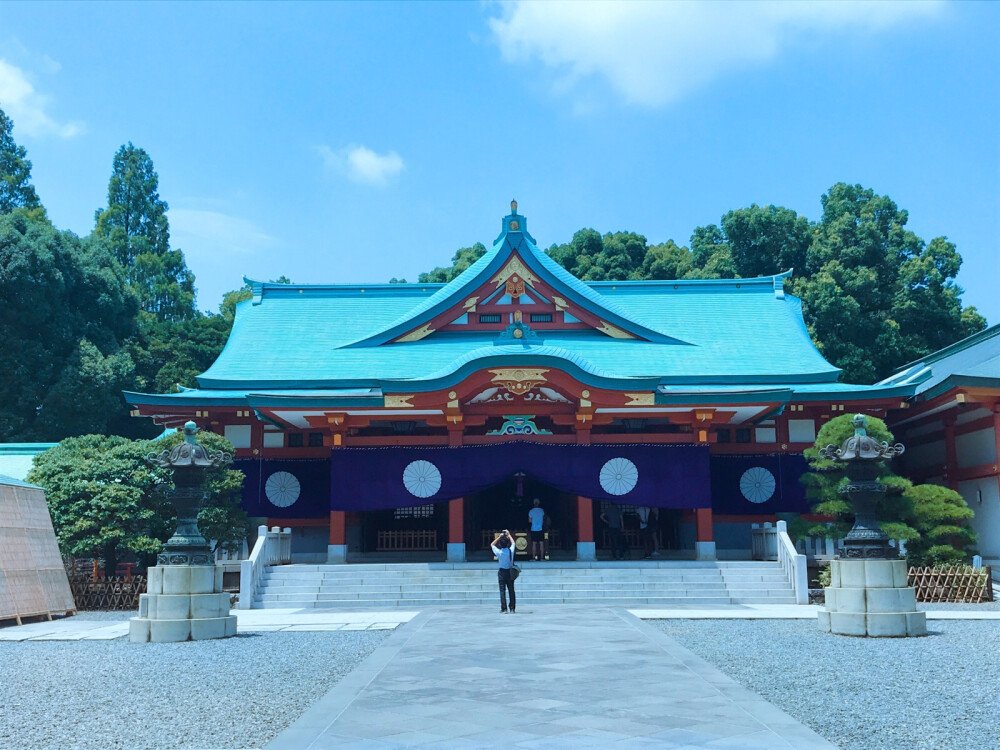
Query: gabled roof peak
x=513 y=223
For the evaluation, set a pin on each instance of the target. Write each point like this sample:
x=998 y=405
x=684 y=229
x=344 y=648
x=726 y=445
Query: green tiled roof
x=339 y=336
x=975 y=360
x=329 y=342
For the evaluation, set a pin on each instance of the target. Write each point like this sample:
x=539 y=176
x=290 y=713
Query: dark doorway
x=506 y=506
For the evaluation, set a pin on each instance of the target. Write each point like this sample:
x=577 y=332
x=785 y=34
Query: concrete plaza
x=552 y=677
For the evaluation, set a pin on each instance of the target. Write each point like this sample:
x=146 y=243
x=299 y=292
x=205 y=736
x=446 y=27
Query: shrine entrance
x=506 y=506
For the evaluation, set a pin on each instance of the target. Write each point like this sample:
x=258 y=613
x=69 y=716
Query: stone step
x=490 y=586
x=564 y=565
x=656 y=584
x=657 y=602
x=534 y=573
x=767 y=594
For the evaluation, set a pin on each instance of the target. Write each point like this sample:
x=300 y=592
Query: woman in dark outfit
x=503 y=548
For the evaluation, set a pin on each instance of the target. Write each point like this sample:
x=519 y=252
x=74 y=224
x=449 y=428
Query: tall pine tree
x=16 y=190
x=136 y=228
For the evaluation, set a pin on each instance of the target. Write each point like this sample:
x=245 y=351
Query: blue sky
x=354 y=142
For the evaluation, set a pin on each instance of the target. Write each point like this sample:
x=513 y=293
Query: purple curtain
x=749 y=484
x=303 y=484
x=664 y=476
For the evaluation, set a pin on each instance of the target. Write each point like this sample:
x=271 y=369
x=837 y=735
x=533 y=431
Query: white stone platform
x=183 y=603
x=871 y=598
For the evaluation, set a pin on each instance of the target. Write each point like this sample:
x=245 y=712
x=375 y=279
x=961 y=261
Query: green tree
x=136 y=228
x=933 y=520
x=462 y=259
x=107 y=501
x=64 y=313
x=16 y=190
x=103 y=498
x=666 y=261
x=764 y=241
x=875 y=295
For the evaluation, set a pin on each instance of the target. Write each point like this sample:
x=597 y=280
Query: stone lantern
x=184 y=599
x=868 y=593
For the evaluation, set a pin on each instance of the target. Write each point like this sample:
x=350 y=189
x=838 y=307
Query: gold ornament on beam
x=518 y=380
x=515 y=267
x=424 y=330
x=398 y=402
x=640 y=399
x=614 y=331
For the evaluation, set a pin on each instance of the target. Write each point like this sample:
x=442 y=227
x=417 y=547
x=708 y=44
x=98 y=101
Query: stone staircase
x=630 y=584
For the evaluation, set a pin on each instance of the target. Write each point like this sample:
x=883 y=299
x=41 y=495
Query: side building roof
x=973 y=361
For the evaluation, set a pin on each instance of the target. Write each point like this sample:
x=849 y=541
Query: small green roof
x=974 y=361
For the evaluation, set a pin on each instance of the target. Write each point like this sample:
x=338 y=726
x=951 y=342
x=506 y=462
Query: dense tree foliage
x=107 y=501
x=136 y=228
x=874 y=294
x=64 y=315
x=462 y=259
x=16 y=190
x=933 y=520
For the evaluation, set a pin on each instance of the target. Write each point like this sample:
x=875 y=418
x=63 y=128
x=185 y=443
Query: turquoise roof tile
x=294 y=342
x=975 y=360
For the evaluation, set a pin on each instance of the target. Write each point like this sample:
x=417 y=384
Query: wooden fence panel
x=107 y=593
x=958 y=583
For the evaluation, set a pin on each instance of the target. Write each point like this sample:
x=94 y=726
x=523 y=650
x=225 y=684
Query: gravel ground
x=102 y=695
x=934 y=693
x=954 y=607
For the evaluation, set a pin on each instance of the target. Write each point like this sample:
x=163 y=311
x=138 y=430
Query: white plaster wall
x=975 y=448
x=765 y=435
x=986 y=521
x=971 y=415
x=238 y=435
x=801 y=430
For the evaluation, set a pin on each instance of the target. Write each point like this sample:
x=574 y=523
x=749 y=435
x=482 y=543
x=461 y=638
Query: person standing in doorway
x=647 y=530
x=536 y=517
x=503 y=548
x=612 y=516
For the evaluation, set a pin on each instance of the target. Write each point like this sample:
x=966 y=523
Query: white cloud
x=27 y=107
x=200 y=232
x=361 y=164
x=652 y=53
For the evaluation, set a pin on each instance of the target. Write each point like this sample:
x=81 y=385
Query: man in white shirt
x=536 y=517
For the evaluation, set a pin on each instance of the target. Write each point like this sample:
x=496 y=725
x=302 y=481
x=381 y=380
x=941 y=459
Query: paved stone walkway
x=554 y=677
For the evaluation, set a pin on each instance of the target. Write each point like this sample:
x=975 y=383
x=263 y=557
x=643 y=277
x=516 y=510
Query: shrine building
x=412 y=421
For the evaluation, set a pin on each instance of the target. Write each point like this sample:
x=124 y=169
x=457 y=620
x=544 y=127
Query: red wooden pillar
x=584 y=519
x=456 y=521
x=336 y=552
x=703 y=525
x=586 y=549
x=704 y=546
x=950 y=451
x=996 y=440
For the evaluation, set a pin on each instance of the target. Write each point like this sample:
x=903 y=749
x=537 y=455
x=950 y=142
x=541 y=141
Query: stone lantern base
x=871 y=598
x=183 y=603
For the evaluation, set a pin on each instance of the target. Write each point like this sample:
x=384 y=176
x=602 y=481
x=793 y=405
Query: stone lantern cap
x=188 y=454
x=861 y=447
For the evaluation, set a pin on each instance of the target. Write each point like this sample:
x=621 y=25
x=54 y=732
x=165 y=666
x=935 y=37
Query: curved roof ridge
x=529 y=350
x=755 y=281
x=513 y=238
